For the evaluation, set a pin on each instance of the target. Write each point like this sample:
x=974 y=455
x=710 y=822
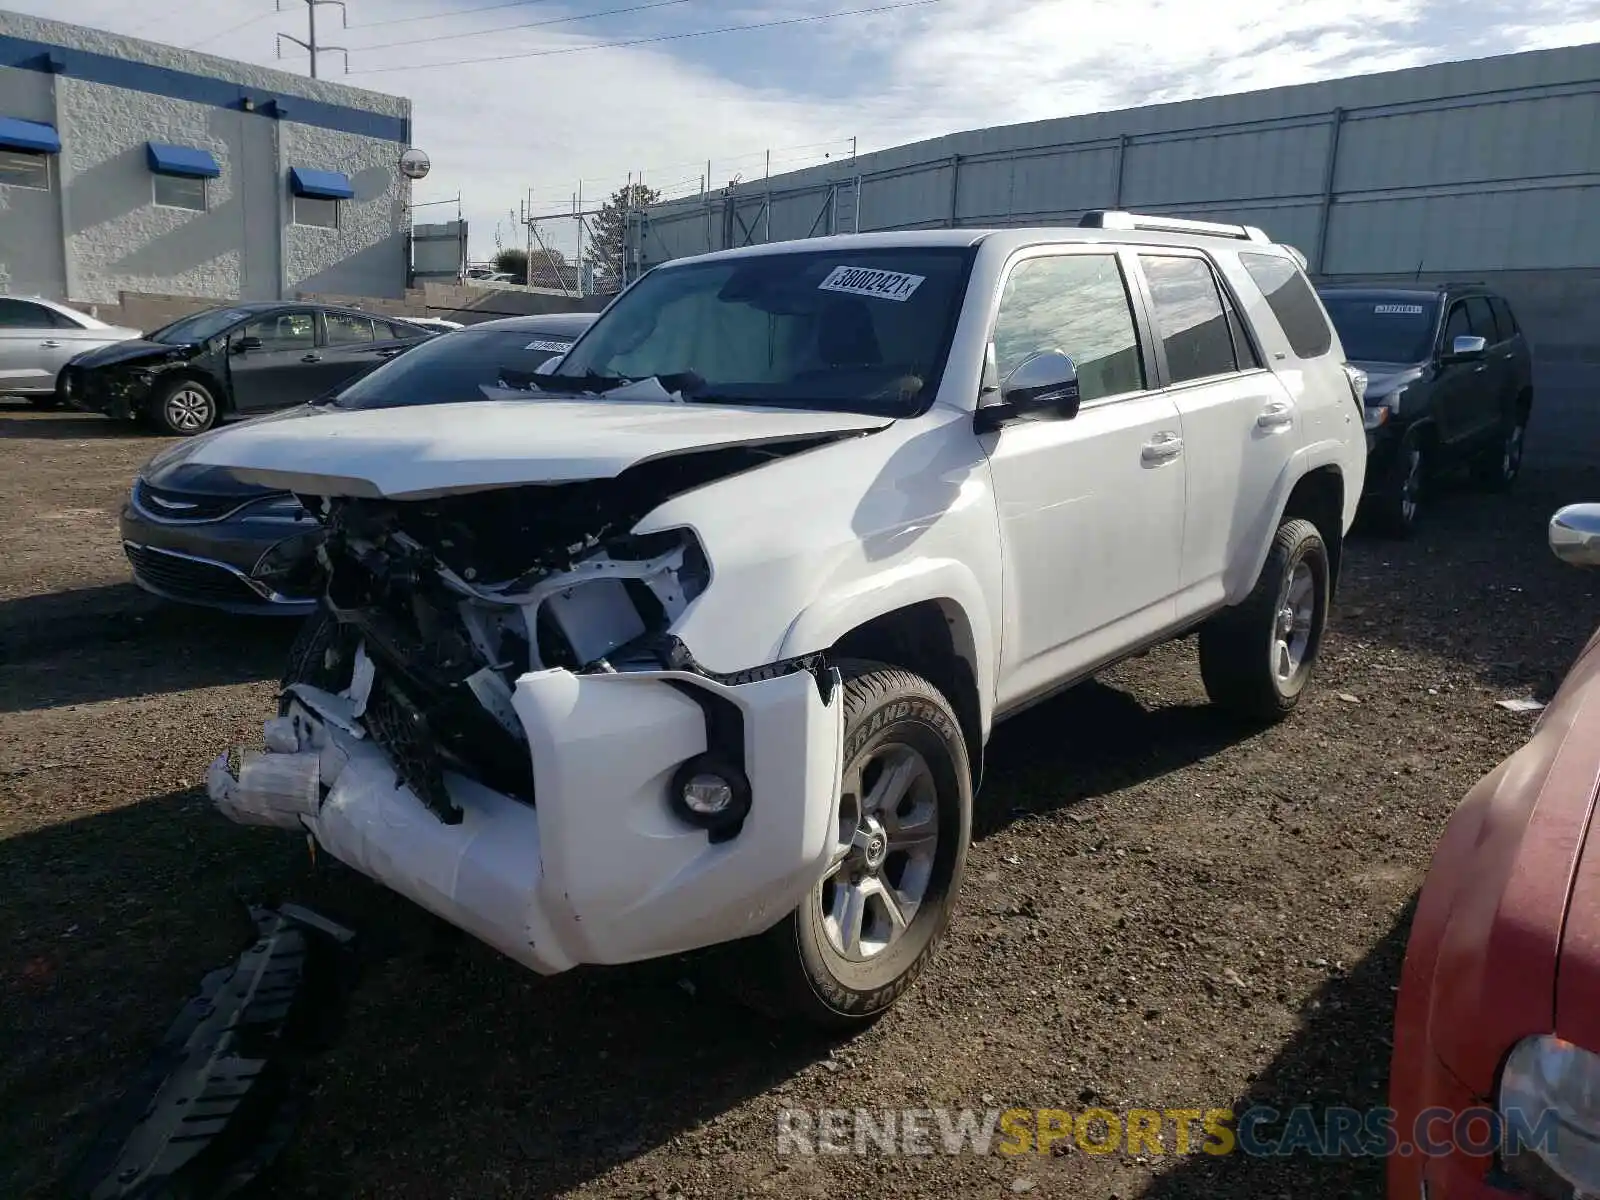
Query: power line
x=458 y=12
x=231 y=29
x=449 y=37
x=665 y=37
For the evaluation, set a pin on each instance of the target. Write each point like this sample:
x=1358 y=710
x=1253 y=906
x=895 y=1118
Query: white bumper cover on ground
x=600 y=870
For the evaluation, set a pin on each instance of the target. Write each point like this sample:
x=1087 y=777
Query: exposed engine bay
x=434 y=608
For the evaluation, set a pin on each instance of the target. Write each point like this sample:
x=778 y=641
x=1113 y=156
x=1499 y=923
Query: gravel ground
x=1162 y=911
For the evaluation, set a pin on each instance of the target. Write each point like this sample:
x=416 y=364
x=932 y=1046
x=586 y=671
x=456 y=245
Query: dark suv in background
x=1449 y=383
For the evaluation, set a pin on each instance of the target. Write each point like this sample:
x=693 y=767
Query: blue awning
x=324 y=185
x=189 y=161
x=28 y=135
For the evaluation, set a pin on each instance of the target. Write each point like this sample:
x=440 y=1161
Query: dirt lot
x=1163 y=911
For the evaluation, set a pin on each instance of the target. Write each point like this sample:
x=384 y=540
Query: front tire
x=1397 y=502
x=184 y=408
x=1257 y=657
x=867 y=930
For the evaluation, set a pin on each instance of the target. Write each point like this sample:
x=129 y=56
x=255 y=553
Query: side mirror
x=1466 y=349
x=1045 y=384
x=1575 y=535
x=246 y=343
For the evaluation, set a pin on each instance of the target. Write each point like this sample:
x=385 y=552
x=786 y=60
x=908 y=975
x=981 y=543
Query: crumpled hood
x=1384 y=379
x=134 y=350
x=434 y=450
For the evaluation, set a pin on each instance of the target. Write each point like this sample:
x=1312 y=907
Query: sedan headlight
x=1550 y=1102
x=1377 y=414
x=278 y=510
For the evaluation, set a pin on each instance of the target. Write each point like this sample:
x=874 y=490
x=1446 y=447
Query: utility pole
x=310 y=46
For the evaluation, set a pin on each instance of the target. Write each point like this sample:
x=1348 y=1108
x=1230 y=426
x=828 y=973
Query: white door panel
x=1091 y=513
x=1240 y=433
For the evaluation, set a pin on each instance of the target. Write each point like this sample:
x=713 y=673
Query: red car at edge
x=1497 y=1024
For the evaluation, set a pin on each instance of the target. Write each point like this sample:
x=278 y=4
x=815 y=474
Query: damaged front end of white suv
x=493 y=716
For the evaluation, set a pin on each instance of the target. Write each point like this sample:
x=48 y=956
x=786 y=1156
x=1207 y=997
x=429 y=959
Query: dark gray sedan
x=195 y=535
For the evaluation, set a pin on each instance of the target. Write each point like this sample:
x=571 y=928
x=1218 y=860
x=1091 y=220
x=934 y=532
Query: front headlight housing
x=1550 y=1103
x=277 y=510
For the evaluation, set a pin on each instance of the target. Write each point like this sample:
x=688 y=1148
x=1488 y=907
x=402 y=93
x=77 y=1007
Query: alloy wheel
x=1411 y=485
x=188 y=410
x=888 y=838
x=1511 y=456
x=1297 y=609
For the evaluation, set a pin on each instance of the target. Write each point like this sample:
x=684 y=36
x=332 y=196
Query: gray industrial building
x=132 y=167
x=1486 y=169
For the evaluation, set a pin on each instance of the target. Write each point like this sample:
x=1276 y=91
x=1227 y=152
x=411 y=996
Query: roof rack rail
x=1114 y=219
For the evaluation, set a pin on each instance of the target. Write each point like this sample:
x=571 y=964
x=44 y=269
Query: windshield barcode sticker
x=866 y=281
x=558 y=347
x=1400 y=310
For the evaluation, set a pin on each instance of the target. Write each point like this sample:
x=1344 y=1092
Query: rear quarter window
x=1293 y=303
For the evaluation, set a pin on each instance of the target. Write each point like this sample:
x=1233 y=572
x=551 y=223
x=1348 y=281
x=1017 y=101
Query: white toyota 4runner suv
x=697 y=635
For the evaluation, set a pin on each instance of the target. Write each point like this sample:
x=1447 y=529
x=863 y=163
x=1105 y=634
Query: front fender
x=947 y=582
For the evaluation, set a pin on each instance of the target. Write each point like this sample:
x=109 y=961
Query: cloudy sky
x=533 y=98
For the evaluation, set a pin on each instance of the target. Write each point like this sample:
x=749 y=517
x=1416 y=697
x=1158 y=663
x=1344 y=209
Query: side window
x=401 y=331
x=1504 y=321
x=284 y=331
x=1482 y=318
x=1077 y=304
x=1292 y=301
x=345 y=330
x=1189 y=317
x=19 y=314
x=1457 y=324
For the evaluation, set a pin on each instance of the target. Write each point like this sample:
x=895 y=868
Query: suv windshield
x=198 y=327
x=1383 y=329
x=454 y=367
x=860 y=329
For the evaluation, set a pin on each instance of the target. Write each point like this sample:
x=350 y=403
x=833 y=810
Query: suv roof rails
x=1115 y=219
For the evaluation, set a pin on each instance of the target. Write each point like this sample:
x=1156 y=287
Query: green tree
x=604 y=252
x=513 y=260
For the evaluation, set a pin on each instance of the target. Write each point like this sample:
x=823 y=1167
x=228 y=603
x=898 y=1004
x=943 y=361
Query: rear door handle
x=1162 y=448
x=312 y=358
x=51 y=344
x=1276 y=416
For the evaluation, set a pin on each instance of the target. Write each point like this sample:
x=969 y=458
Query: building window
x=315 y=210
x=21 y=169
x=180 y=191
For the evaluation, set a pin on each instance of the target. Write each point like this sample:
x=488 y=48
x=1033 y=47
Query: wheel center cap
x=876 y=845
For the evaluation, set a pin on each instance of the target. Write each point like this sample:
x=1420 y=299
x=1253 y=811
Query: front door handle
x=1276 y=416
x=312 y=358
x=51 y=344
x=1164 y=447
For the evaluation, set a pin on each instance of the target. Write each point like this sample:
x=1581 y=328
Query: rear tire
x=184 y=408
x=1496 y=469
x=1257 y=657
x=850 y=950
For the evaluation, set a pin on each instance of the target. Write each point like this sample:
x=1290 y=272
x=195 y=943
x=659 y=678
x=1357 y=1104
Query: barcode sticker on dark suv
x=1407 y=310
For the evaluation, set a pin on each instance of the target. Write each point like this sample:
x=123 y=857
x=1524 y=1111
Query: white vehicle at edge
x=699 y=636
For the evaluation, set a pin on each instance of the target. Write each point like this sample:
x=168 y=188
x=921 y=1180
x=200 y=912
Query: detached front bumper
x=599 y=870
